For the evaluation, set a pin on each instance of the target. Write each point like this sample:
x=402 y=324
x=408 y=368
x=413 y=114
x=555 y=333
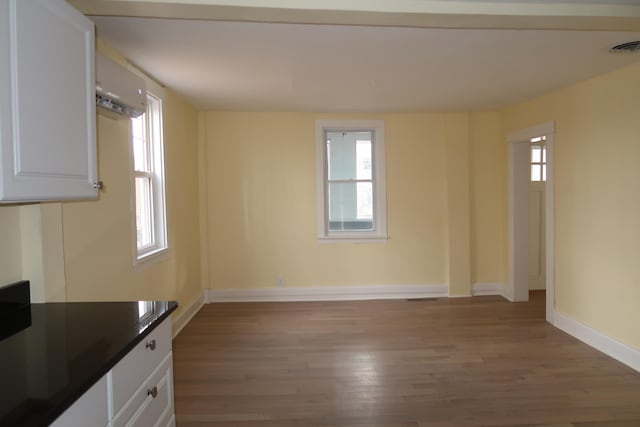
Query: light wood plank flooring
x=478 y=361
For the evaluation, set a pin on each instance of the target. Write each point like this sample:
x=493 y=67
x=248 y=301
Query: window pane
x=350 y=206
x=544 y=154
x=140 y=144
x=536 y=154
x=144 y=212
x=544 y=172
x=145 y=309
x=365 y=200
x=349 y=155
x=364 y=164
x=535 y=173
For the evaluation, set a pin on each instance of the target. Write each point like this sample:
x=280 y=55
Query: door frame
x=518 y=215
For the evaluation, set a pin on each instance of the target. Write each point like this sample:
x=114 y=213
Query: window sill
x=150 y=259
x=350 y=238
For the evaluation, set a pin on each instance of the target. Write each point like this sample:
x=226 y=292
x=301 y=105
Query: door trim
x=518 y=175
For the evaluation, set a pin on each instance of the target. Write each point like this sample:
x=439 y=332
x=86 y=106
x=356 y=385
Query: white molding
x=187 y=313
x=517 y=288
x=531 y=132
x=346 y=293
x=459 y=296
x=379 y=179
x=486 y=288
x=518 y=221
x=607 y=345
x=348 y=238
x=550 y=228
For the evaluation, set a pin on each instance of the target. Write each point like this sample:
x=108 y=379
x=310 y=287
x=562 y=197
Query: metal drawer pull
x=151 y=345
x=153 y=392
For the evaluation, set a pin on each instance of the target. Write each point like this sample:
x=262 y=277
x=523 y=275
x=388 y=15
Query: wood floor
x=478 y=361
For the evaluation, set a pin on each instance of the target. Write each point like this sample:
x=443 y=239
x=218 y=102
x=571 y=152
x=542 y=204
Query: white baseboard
x=609 y=346
x=187 y=313
x=478 y=289
x=346 y=293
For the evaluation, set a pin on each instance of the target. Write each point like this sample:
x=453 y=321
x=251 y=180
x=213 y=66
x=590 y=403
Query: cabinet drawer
x=152 y=403
x=90 y=410
x=136 y=367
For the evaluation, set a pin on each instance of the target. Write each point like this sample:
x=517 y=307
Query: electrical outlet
x=280 y=282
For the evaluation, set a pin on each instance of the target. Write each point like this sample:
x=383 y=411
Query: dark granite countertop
x=51 y=354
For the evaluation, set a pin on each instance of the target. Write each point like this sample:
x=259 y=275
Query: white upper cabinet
x=47 y=102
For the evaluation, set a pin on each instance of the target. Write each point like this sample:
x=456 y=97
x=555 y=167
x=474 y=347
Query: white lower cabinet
x=152 y=403
x=137 y=391
x=133 y=371
x=92 y=409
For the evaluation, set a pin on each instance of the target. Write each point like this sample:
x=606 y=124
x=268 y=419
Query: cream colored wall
x=597 y=148
x=82 y=251
x=96 y=262
x=261 y=203
x=488 y=198
x=10 y=245
x=98 y=235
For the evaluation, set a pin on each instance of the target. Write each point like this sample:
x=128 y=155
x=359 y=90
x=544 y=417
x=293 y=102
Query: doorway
x=520 y=210
x=537 y=223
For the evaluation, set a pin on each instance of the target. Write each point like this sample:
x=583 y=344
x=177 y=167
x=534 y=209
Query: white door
x=537 y=242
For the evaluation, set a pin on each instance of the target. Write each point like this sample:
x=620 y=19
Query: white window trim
x=380 y=192
x=160 y=250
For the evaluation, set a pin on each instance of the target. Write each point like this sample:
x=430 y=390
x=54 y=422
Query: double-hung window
x=351 y=195
x=148 y=182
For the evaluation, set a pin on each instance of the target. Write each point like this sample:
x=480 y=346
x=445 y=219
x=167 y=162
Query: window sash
x=378 y=228
x=327 y=193
x=538 y=160
x=149 y=211
x=142 y=150
x=145 y=217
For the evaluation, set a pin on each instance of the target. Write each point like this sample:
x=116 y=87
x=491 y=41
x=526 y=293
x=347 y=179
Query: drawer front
x=135 y=367
x=90 y=410
x=152 y=403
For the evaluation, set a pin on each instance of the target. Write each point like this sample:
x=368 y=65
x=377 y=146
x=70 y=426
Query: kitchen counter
x=52 y=353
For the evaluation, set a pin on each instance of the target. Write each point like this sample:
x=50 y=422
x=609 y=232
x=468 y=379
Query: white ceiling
x=297 y=67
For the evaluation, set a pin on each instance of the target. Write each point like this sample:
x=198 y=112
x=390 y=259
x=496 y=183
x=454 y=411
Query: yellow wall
x=261 y=203
x=597 y=202
x=10 y=245
x=258 y=176
x=98 y=235
x=488 y=199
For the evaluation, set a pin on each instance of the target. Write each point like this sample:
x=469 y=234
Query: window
x=148 y=181
x=538 y=159
x=351 y=190
x=145 y=310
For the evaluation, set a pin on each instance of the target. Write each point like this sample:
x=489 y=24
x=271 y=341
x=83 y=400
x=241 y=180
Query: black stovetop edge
x=14 y=295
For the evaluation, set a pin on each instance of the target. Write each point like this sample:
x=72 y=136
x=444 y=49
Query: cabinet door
x=92 y=409
x=136 y=367
x=47 y=102
x=152 y=403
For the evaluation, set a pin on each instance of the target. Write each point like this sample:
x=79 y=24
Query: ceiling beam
x=399 y=13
